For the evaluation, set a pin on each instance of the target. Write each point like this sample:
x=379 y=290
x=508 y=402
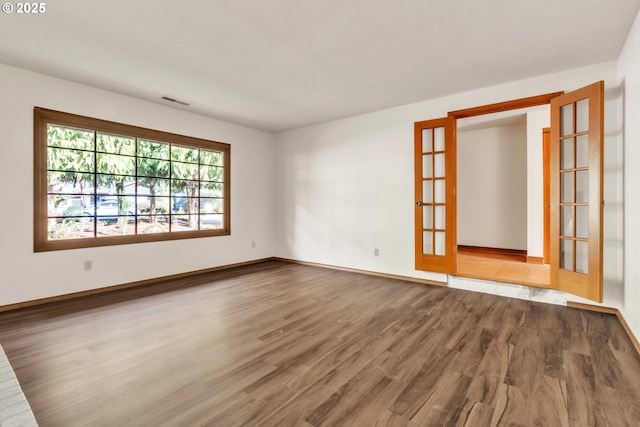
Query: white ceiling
x=283 y=64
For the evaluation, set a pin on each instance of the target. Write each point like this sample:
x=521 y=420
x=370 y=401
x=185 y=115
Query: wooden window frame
x=44 y=117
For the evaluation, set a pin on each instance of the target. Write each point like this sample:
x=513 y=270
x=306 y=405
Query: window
x=99 y=183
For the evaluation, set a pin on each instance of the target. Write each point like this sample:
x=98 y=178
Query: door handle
x=418 y=204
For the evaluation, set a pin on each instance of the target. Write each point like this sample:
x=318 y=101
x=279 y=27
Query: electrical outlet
x=88 y=265
x=376 y=252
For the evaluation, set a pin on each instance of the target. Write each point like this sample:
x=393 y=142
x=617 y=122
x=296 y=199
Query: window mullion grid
x=95 y=184
x=170 y=188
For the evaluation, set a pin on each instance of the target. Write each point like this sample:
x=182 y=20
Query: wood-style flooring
x=279 y=344
x=503 y=270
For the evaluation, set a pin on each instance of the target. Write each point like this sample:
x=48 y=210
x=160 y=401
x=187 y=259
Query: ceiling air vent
x=166 y=98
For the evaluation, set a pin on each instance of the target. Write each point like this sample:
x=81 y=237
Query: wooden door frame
x=516 y=104
x=546 y=194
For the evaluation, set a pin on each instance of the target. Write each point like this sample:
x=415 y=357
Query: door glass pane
x=582 y=186
x=438 y=144
x=566 y=154
x=582 y=257
x=582 y=115
x=427 y=140
x=439 y=165
x=427 y=166
x=582 y=221
x=439 y=190
x=566 y=222
x=566 y=187
x=566 y=254
x=566 y=120
x=582 y=151
x=439 y=242
x=439 y=217
x=427 y=217
x=427 y=191
x=427 y=242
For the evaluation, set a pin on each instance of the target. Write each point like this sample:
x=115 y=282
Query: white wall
x=346 y=187
x=27 y=275
x=629 y=125
x=537 y=119
x=492 y=187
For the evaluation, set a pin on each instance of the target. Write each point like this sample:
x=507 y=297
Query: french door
x=576 y=188
x=435 y=179
x=577 y=191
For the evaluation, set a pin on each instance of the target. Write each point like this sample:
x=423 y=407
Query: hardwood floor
x=278 y=344
x=503 y=270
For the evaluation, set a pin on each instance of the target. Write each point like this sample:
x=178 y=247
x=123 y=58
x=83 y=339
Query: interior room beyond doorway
x=500 y=197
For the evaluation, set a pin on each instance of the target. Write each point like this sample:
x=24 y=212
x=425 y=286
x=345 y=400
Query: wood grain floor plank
x=278 y=344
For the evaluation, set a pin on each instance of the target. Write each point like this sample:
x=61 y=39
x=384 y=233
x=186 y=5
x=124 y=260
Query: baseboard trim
x=367 y=272
x=500 y=253
x=609 y=310
x=155 y=280
x=535 y=260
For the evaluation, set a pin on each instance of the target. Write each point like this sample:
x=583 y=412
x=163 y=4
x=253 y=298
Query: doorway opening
x=500 y=217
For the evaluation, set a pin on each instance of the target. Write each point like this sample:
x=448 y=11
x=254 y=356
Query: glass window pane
x=439 y=217
x=154 y=150
x=110 y=185
x=439 y=243
x=184 y=170
x=211 y=173
x=427 y=191
x=153 y=167
x=212 y=158
x=427 y=242
x=582 y=257
x=184 y=205
x=149 y=224
x=182 y=187
x=148 y=187
x=427 y=217
x=116 y=144
x=110 y=207
x=439 y=165
x=566 y=254
x=566 y=221
x=582 y=115
x=211 y=206
x=566 y=154
x=427 y=166
x=70 y=228
x=116 y=164
x=117 y=226
x=582 y=222
x=211 y=189
x=427 y=140
x=184 y=154
x=438 y=141
x=582 y=151
x=566 y=120
x=153 y=205
x=439 y=191
x=582 y=186
x=184 y=222
x=566 y=187
x=62 y=159
x=67 y=206
x=70 y=182
x=64 y=137
x=211 y=222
